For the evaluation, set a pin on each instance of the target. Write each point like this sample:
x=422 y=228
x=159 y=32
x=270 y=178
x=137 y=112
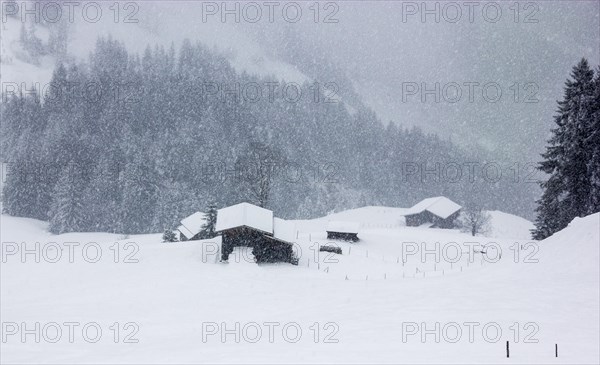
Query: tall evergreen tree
x=103 y=195
x=208 y=229
x=139 y=196
x=18 y=195
x=567 y=191
x=593 y=145
x=67 y=212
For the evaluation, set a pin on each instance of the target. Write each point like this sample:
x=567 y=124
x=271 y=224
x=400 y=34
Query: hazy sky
x=386 y=48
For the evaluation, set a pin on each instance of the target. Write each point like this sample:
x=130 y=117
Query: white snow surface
x=440 y=206
x=245 y=214
x=159 y=23
x=361 y=300
x=343 y=227
x=284 y=230
x=506 y=225
x=192 y=225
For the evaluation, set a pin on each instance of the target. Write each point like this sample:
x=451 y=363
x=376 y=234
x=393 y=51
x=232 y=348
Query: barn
x=191 y=226
x=247 y=225
x=339 y=230
x=437 y=212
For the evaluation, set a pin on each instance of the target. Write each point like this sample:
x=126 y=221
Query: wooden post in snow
x=507 y=350
x=555 y=350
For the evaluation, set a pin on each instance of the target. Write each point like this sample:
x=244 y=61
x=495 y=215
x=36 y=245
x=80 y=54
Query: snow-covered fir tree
x=67 y=211
x=208 y=229
x=569 y=157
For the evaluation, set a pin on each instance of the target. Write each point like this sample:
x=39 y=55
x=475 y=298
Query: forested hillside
x=132 y=143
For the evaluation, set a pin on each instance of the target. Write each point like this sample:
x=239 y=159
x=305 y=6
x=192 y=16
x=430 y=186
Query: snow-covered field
x=378 y=302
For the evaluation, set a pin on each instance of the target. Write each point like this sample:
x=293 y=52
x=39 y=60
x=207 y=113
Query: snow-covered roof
x=244 y=214
x=284 y=230
x=343 y=227
x=192 y=225
x=439 y=206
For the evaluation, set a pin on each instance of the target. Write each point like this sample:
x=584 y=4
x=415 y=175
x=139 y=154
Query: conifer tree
x=567 y=191
x=593 y=145
x=208 y=229
x=67 y=211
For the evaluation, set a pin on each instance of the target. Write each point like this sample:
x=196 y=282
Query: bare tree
x=256 y=171
x=475 y=220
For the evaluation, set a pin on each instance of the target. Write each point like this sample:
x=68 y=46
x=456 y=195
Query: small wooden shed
x=247 y=225
x=339 y=230
x=437 y=212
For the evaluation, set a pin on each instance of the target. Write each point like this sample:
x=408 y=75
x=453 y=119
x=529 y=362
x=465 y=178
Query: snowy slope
x=158 y=23
x=174 y=288
x=13 y=68
x=509 y=225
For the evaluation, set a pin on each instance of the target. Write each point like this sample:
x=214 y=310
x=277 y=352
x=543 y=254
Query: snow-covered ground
x=378 y=302
x=158 y=24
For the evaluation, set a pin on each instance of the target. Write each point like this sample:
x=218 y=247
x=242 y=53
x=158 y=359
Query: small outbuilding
x=191 y=227
x=339 y=230
x=438 y=212
x=247 y=225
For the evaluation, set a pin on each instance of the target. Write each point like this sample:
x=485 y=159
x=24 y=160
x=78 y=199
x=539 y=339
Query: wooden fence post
x=507 y=350
x=555 y=350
